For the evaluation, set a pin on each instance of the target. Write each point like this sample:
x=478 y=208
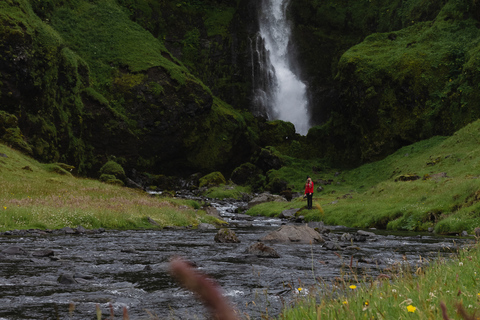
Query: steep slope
x=86 y=84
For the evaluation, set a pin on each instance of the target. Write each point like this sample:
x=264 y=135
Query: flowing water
x=279 y=91
x=130 y=269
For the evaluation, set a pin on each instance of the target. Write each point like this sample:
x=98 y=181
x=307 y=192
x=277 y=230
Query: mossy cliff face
x=86 y=83
x=211 y=38
x=383 y=74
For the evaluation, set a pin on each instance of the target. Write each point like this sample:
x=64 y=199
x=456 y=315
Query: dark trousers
x=309 y=200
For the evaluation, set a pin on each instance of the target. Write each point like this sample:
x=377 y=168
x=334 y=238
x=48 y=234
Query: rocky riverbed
x=66 y=274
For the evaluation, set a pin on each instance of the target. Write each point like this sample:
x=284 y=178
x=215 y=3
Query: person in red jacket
x=309 y=192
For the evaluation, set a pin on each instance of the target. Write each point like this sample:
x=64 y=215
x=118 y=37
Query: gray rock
x=241 y=216
x=66 y=279
x=346 y=237
x=261 y=250
x=206 y=226
x=129 y=250
x=319 y=226
x=265 y=197
x=14 y=251
x=67 y=230
x=332 y=246
x=288 y=214
x=290 y=233
x=225 y=235
x=366 y=233
x=43 y=253
x=80 y=230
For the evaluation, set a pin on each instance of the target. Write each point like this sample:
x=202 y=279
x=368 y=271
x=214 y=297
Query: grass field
x=46 y=196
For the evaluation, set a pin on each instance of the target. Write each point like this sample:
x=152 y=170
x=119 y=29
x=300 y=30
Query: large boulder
x=212 y=179
x=248 y=174
x=261 y=250
x=291 y=233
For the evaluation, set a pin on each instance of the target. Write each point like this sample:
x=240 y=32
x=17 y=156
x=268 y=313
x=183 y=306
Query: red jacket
x=309 y=187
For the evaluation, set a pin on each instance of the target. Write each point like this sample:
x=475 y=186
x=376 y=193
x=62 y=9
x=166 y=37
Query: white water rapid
x=279 y=93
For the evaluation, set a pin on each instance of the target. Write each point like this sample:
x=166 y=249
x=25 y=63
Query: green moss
x=217 y=20
x=114 y=169
x=212 y=179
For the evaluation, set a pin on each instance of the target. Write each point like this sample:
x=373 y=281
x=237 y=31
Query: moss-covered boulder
x=112 y=169
x=212 y=179
x=248 y=174
x=267 y=159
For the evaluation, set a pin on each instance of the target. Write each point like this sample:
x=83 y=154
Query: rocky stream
x=66 y=275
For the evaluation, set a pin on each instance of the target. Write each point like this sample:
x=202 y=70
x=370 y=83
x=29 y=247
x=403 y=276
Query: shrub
x=113 y=168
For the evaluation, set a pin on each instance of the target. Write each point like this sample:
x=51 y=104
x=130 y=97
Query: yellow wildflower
x=353 y=287
x=411 y=308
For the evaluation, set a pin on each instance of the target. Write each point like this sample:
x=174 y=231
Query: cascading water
x=279 y=93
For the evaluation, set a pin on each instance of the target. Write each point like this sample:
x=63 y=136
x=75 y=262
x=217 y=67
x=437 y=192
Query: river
x=117 y=269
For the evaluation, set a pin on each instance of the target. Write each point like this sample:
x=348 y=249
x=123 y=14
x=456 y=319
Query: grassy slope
x=35 y=195
x=368 y=196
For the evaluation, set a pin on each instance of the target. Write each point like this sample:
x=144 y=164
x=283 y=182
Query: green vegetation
x=445 y=196
x=46 y=196
x=227 y=191
x=414 y=294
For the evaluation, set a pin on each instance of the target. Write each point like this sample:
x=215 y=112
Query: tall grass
x=33 y=196
x=414 y=293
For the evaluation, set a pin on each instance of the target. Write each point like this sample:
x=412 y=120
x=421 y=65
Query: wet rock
x=367 y=233
x=43 y=253
x=464 y=233
x=290 y=233
x=332 y=246
x=265 y=197
x=346 y=237
x=360 y=237
x=66 y=279
x=261 y=250
x=67 y=230
x=147 y=268
x=225 y=235
x=243 y=217
x=241 y=224
x=80 y=230
x=319 y=226
x=14 y=251
x=206 y=226
x=129 y=250
x=288 y=214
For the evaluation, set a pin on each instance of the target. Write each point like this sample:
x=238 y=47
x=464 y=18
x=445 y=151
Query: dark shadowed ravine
x=130 y=269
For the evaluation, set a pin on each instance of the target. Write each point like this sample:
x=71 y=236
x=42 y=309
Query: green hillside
x=46 y=196
x=445 y=195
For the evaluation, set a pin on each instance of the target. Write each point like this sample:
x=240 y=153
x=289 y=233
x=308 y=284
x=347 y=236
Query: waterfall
x=278 y=92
